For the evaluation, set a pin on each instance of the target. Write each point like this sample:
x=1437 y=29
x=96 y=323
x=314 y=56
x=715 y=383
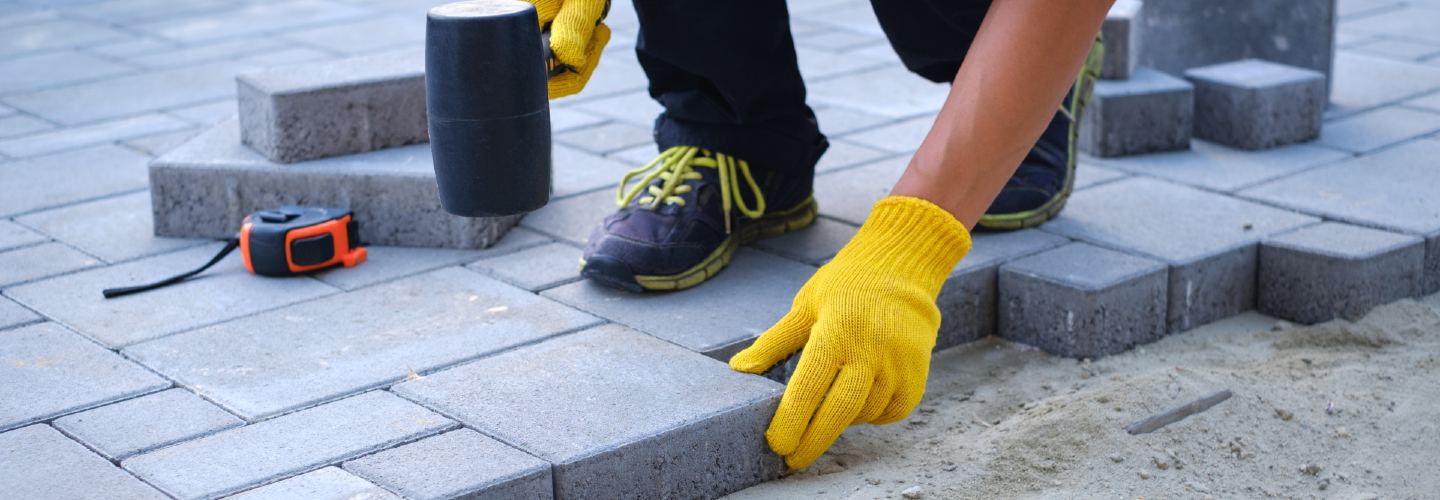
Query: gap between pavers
x=39 y=462
x=58 y=373
x=328 y=482
x=458 y=464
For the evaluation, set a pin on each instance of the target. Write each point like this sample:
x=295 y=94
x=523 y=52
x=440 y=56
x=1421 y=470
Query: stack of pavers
x=347 y=134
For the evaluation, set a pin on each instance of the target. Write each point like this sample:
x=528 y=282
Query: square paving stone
x=148 y=91
x=1371 y=130
x=1178 y=35
x=388 y=263
x=48 y=181
x=35 y=262
x=967 y=303
x=1220 y=168
x=89 y=135
x=457 y=464
x=1149 y=112
x=114 y=229
x=1083 y=301
x=59 y=372
x=719 y=320
x=1209 y=240
x=329 y=482
x=142 y=424
x=258 y=453
x=38 y=462
x=848 y=194
x=308 y=353
x=887 y=91
x=812 y=245
x=1333 y=270
x=613 y=136
x=12 y=314
x=618 y=414
x=534 y=269
x=1121 y=31
x=1392 y=189
x=1256 y=104
x=13 y=235
x=223 y=292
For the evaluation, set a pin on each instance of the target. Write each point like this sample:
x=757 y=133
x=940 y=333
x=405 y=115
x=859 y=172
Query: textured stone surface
x=848 y=194
x=1362 y=82
x=1220 y=168
x=1333 y=270
x=38 y=462
x=307 y=111
x=329 y=482
x=265 y=364
x=1083 y=301
x=1371 y=130
x=587 y=403
x=224 y=292
x=240 y=458
x=205 y=187
x=149 y=91
x=1088 y=173
x=758 y=283
x=13 y=235
x=48 y=181
x=459 y=463
x=100 y=133
x=535 y=269
x=607 y=138
x=250 y=19
x=1254 y=104
x=574 y=171
x=142 y=424
x=1121 y=33
x=388 y=263
x=812 y=245
x=881 y=91
x=572 y=219
x=46 y=259
x=114 y=229
x=59 y=372
x=1209 y=240
x=1148 y=112
x=12 y=314
x=968 y=302
x=1182 y=34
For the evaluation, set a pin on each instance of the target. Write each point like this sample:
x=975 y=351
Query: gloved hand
x=577 y=36
x=867 y=322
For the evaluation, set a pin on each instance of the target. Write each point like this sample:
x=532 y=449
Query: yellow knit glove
x=577 y=37
x=867 y=322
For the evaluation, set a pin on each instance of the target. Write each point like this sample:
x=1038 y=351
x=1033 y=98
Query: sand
x=1337 y=410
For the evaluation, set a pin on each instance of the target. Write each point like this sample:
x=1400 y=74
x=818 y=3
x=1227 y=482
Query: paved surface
x=400 y=376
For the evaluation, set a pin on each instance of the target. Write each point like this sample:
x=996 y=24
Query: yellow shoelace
x=675 y=166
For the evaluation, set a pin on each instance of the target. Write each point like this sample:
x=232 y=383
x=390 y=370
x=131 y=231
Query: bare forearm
x=1024 y=57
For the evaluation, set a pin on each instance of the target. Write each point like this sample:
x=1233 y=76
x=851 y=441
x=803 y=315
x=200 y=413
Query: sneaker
x=681 y=223
x=1043 y=182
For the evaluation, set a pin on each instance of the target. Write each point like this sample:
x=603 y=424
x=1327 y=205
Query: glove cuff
x=910 y=235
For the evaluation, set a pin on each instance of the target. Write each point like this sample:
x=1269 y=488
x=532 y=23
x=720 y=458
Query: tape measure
x=284 y=241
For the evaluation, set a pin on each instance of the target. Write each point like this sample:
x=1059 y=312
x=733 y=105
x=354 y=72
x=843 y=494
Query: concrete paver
x=456 y=464
x=968 y=302
x=149 y=91
x=535 y=269
x=55 y=68
x=1220 y=168
x=249 y=19
x=1371 y=130
x=389 y=263
x=329 y=482
x=17 y=125
x=59 y=373
x=99 y=133
x=606 y=138
x=13 y=235
x=813 y=245
x=35 y=262
x=38 y=462
x=1334 y=270
x=48 y=181
x=133 y=426
x=1146 y=113
x=12 y=314
x=115 y=229
x=1256 y=104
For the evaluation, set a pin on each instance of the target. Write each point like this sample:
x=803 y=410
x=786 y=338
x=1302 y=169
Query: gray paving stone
x=900 y=137
x=458 y=464
x=574 y=171
x=1083 y=301
x=1333 y=270
x=1088 y=173
x=13 y=235
x=1362 y=82
x=535 y=269
x=818 y=64
x=131 y=47
x=1428 y=102
x=35 y=262
x=843 y=154
x=758 y=283
x=1183 y=34
x=89 y=135
x=1371 y=130
x=1391 y=190
x=839 y=120
x=388 y=263
x=855 y=17
x=1255 y=104
x=813 y=245
x=317 y=110
x=1149 y=112
x=38 y=462
x=201 y=53
x=635 y=108
x=59 y=373
x=571 y=219
x=225 y=291
x=1209 y=240
x=15 y=125
x=250 y=19
x=329 y=482
x=838 y=41
x=132 y=11
x=1413 y=22
x=206 y=186
x=49 y=181
x=601 y=139
x=1221 y=168
x=574 y=402
x=968 y=302
x=12 y=314
x=208 y=113
x=53 y=69
x=1403 y=50
x=291 y=55
x=887 y=91
x=264 y=364
x=159 y=144
x=848 y=194
x=148 y=91
x=55 y=34
x=564 y=119
x=364 y=36
x=145 y=423
x=1121 y=32
x=240 y=458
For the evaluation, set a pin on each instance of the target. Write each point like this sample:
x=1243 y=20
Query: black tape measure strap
x=230 y=246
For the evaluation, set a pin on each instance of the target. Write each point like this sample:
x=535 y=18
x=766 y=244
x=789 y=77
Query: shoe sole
x=611 y=272
x=1089 y=73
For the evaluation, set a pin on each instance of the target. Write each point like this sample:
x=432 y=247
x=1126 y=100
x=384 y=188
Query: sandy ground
x=1338 y=410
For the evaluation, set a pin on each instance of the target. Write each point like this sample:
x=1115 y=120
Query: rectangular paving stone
x=12 y=314
x=114 y=229
x=159 y=144
x=607 y=138
x=99 y=133
x=1362 y=82
x=13 y=235
x=38 y=462
x=147 y=91
x=1083 y=301
x=635 y=108
x=223 y=292
x=1333 y=270
x=1121 y=32
x=54 y=69
x=55 y=34
x=571 y=219
x=813 y=245
x=207 y=186
x=1403 y=50
x=1371 y=130
x=17 y=125
x=388 y=263
x=900 y=137
x=132 y=11
x=758 y=283
x=329 y=482
x=574 y=171
x=317 y=110
x=1208 y=240
x=457 y=464
x=207 y=52
x=563 y=119
x=209 y=113
x=59 y=372
x=364 y=36
x=843 y=154
x=240 y=458
x=1149 y=112
x=586 y=403
x=848 y=194
x=968 y=301
x=133 y=426
x=1183 y=34
x=249 y=19
x=35 y=262
x=1220 y=168
x=1255 y=104
x=289 y=55
x=886 y=91
x=308 y=353
x=1391 y=189
x=534 y=269
x=1089 y=173
x=49 y=181
x=838 y=120
x=816 y=64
